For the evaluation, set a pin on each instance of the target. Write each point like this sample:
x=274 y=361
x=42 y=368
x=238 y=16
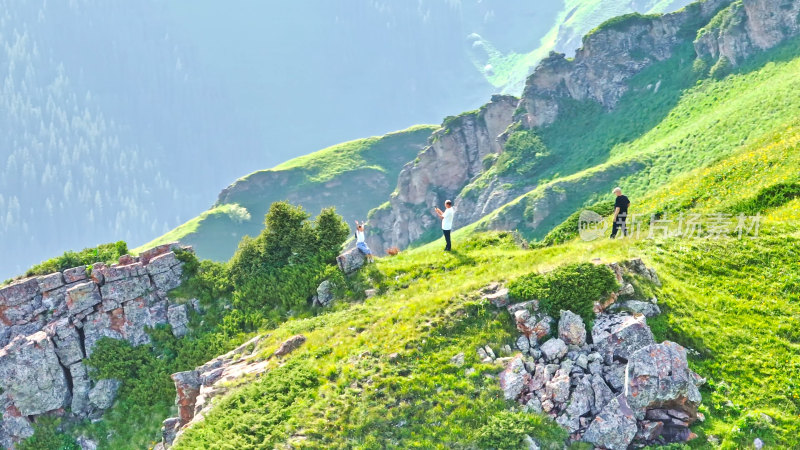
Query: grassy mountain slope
x=733 y=301
x=652 y=137
x=354 y=177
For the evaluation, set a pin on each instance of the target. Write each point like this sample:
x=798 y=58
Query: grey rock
x=55 y=301
x=499 y=298
x=168 y=280
x=648 y=309
x=482 y=356
x=614 y=375
x=137 y=318
x=120 y=291
x=530 y=305
x=457 y=360
x=514 y=378
x=529 y=444
x=571 y=329
x=758 y=444
x=324 y=295
x=99 y=325
x=582 y=361
x=85 y=443
x=19 y=292
x=602 y=394
x=75 y=274
x=533 y=405
x=118 y=272
x=659 y=375
x=523 y=344
x=619 y=336
x=17 y=428
x=178 y=319
x=103 y=393
x=31 y=375
x=627 y=289
x=649 y=431
x=82 y=296
x=158 y=313
x=638 y=267
x=22 y=311
x=81 y=385
x=170 y=429
x=557 y=388
x=542 y=375
x=351 y=260
x=614 y=428
x=50 y=282
x=554 y=349
x=162 y=263
x=68 y=345
x=489 y=352
x=581 y=401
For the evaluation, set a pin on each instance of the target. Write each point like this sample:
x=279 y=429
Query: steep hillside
x=354 y=177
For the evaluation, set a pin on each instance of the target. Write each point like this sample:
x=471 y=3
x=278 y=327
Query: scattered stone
x=523 y=344
x=290 y=345
x=571 y=329
x=639 y=307
x=489 y=352
x=324 y=295
x=530 y=305
x=103 y=393
x=529 y=443
x=514 y=378
x=85 y=443
x=457 y=360
x=627 y=289
x=369 y=293
x=619 y=336
x=482 y=356
x=557 y=388
x=637 y=266
x=499 y=298
x=534 y=405
x=554 y=349
x=758 y=444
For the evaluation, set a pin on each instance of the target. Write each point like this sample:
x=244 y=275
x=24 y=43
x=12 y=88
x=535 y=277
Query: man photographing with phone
x=447 y=221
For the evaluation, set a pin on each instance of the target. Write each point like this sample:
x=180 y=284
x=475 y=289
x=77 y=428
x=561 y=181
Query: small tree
x=282 y=266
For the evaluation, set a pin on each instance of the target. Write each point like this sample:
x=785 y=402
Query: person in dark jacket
x=620 y=213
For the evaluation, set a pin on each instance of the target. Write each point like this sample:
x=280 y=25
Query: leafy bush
x=573 y=287
x=47 y=436
x=507 y=429
x=282 y=266
x=106 y=253
x=206 y=280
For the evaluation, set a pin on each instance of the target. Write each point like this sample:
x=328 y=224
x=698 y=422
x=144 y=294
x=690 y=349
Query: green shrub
x=106 y=253
x=770 y=197
x=46 y=436
x=573 y=287
x=206 y=280
x=721 y=69
x=281 y=267
x=507 y=429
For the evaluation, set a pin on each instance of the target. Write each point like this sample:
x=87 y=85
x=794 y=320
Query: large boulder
x=620 y=336
x=81 y=386
x=658 y=376
x=31 y=375
x=117 y=292
x=178 y=319
x=324 y=295
x=351 y=260
x=554 y=349
x=290 y=345
x=514 y=378
x=68 y=345
x=571 y=329
x=82 y=297
x=614 y=428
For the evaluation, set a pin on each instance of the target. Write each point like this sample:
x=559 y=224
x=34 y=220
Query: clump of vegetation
x=573 y=287
x=568 y=229
x=721 y=68
x=105 y=253
x=47 y=436
x=769 y=197
x=523 y=154
x=282 y=266
x=507 y=429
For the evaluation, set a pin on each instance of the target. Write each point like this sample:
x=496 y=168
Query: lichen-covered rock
x=50 y=282
x=514 y=378
x=351 y=260
x=82 y=296
x=102 y=395
x=659 y=375
x=602 y=393
x=554 y=349
x=614 y=428
x=97 y=326
x=168 y=280
x=187 y=385
x=68 y=345
x=178 y=319
x=557 y=389
x=137 y=319
x=324 y=294
x=31 y=375
x=81 y=386
x=619 y=336
x=162 y=263
x=170 y=429
x=648 y=309
x=581 y=402
x=571 y=329
x=117 y=292
x=75 y=274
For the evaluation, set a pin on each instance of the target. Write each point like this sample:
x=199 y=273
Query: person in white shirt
x=360 y=243
x=447 y=221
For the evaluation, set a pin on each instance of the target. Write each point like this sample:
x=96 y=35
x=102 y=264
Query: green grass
x=355 y=177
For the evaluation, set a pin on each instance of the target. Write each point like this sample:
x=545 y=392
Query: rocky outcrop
x=350 y=261
x=620 y=389
x=454 y=157
x=50 y=324
x=197 y=388
x=610 y=56
x=747 y=27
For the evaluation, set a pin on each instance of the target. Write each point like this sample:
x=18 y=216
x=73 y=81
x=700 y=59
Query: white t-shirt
x=447 y=220
x=359 y=236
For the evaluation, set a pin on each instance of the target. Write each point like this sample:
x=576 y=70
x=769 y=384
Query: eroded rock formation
x=50 y=324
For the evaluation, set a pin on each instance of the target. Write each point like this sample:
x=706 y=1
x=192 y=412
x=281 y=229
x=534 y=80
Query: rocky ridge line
x=49 y=324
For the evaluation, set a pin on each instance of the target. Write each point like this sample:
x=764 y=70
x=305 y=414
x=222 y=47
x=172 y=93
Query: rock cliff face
x=455 y=156
x=49 y=324
x=610 y=56
x=746 y=27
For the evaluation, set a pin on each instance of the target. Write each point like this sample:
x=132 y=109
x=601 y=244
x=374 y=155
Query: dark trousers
x=446 y=234
x=619 y=224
